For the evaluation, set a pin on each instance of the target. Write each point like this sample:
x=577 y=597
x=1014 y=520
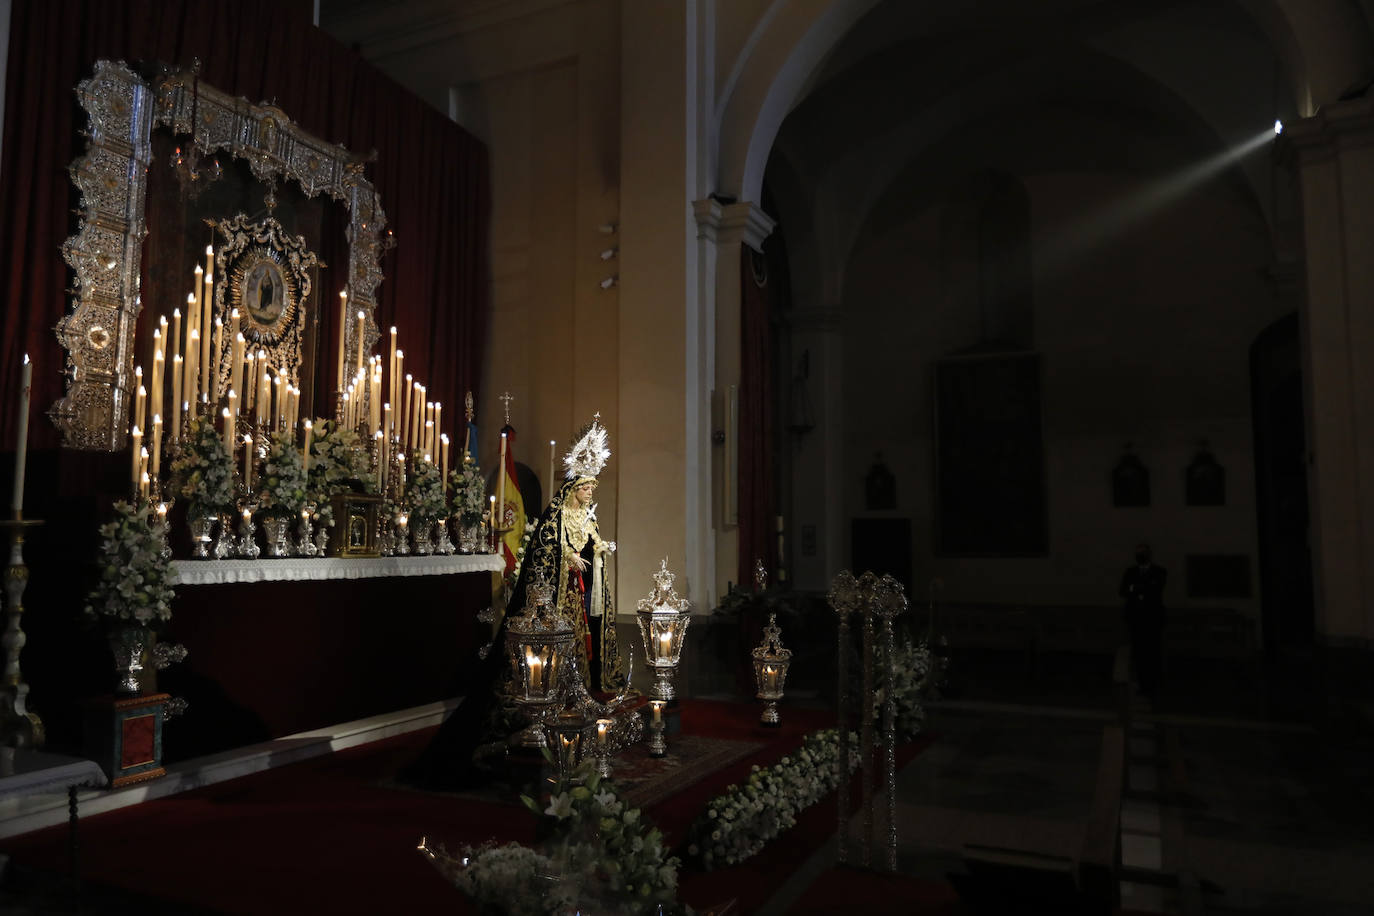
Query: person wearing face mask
x=1142 y=590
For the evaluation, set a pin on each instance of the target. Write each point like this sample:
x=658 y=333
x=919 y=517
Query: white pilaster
x=1335 y=157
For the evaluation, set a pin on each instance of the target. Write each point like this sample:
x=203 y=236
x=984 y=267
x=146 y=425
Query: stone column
x=722 y=230
x=1334 y=156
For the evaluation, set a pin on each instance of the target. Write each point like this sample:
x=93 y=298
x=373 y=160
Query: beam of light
x=1114 y=218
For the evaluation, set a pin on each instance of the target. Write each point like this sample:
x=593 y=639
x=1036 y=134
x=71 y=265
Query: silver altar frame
x=106 y=249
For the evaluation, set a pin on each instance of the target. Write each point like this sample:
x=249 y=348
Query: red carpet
x=325 y=836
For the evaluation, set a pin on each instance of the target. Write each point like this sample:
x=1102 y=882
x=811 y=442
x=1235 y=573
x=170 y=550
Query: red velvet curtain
x=757 y=515
x=432 y=181
x=431 y=176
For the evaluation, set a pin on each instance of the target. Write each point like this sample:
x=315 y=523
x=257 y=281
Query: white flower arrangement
x=284 y=483
x=742 y=820
x=425 y=492
x=606 y=848
x=136 y=573
x=203 y=473
x=338 y=464
x=915 y=674
x=511 y=879
x=469 y=498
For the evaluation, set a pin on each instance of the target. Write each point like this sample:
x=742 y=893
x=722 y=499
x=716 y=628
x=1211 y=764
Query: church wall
x=1144 y=341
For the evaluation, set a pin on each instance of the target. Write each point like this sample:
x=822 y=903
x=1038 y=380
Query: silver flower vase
x=201 y=526
x=128 y=644
x=276 y=529
x=469 y=537
x=423 y=535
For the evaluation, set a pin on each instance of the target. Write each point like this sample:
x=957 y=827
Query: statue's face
x=583 y=492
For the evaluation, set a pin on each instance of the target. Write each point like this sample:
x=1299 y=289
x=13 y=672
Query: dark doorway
x=1276 y=395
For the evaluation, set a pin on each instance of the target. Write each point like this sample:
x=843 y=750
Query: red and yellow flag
x=512 y=512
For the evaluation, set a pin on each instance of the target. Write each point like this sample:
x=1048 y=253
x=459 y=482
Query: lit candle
x=136 y=444
x=143 y=481
x=552 y=484
x=155 y=400
x=362 y=333
x=306 y=451
x=438 y=418
x=536 y=668
x=219 y=357
x=381 y=465
x=209 y=261
x=176 y=397
x=397 y=396
x=391 y=371
x=603 y=735
x=248 y=461
x=235 y=352
x=343 y=325
x=176 y=363
x=231 y=424
x=429 y=439
x=443 y=462
x=491 y=522
x=665 y=645
x=770 y=679
x=157 y=445
x=140 y=401
x=208 y=309
x=21 y=442
x=190 y=378
x=658 y=711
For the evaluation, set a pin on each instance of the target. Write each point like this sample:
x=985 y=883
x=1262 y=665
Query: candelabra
x=305 y=542
x=870 y=597
x=19 y=726
x=663 y=620
x=247 y=546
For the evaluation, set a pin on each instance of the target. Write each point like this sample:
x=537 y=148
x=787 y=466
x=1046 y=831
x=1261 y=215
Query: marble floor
x=1233 y=804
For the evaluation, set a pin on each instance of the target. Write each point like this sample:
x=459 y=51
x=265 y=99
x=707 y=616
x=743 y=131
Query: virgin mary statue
x=565 y=547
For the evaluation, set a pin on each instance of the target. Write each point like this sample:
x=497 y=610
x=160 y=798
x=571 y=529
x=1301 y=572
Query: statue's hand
x=578 y=564
x=610 y=547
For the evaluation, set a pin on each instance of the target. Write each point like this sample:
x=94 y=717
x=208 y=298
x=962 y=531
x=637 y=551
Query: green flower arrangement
x=284 y=483
x=425 y=491
x=511 y=879
x=136 y=573
x=469 y=498
x=203 y=472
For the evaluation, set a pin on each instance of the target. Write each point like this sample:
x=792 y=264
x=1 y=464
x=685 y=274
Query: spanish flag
x=512 y=512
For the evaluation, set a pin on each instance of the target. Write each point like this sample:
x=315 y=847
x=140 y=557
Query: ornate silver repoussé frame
x=105 y=251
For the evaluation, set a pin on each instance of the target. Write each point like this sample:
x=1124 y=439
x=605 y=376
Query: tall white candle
x=343 y=328
x=501 y=482
x=21 y=444
x=305 y=452
x=552 y=483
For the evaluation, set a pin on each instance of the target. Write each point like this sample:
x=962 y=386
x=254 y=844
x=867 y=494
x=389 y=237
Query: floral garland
x=469 y=499
x=741 y=820
x=203 y=473
x=284 y=482
x=425 y=491
x=136 y=573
